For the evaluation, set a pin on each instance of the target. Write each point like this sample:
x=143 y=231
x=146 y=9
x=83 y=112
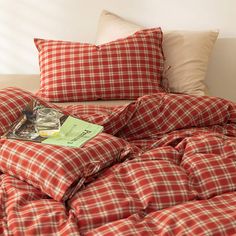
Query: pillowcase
x=187 y=52
x=60 y=171
x=123 y=69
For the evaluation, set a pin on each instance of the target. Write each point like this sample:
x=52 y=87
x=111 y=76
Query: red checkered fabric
x=12 y=102
x=28 y=211
x=122 y=69
x=155 y=115
x=140 y=185
x=210 y=162
x=166 y=153
x=93 y=113
x=59 y=170
x=216 y=216
x=170 y=171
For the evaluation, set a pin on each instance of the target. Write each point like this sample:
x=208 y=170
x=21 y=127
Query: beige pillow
x=187 y=52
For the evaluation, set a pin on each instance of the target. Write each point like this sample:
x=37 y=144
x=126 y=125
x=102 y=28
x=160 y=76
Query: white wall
x=22 y=20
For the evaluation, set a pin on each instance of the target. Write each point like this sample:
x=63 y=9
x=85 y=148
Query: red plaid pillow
x=59 y=171
x=122 y=69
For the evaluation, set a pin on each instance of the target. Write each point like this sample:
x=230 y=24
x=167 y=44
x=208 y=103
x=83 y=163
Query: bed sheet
x=164 y=165
x=96 y=103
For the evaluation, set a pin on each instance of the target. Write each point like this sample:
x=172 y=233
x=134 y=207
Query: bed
x=165 y=163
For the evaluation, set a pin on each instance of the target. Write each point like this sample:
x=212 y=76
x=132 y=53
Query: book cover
x=74 y=133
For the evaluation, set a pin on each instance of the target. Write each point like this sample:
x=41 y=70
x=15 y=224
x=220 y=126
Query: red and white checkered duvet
x=165 y=165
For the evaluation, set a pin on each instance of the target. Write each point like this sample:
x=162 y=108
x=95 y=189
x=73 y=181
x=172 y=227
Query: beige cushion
x=187 y=52
x=112 y=27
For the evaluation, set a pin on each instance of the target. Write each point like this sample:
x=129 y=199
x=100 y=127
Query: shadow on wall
x=221 y=76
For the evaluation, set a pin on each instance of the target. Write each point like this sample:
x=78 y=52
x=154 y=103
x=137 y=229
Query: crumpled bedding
x=164 y=165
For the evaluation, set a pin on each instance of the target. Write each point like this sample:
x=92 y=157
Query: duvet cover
x=164 y=165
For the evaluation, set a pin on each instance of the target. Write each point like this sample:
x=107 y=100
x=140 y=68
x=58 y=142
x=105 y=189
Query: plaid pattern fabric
x=175 y=112
x=154 y=116
x=122 y=69
x=140 y=185
x=12 y=102
x=216 y=216
x=171 y=171
x=93 y=113
x=28 y=211
x=57 y=170
x=210 y=162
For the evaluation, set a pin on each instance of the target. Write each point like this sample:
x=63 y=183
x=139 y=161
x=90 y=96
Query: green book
x=74 y=133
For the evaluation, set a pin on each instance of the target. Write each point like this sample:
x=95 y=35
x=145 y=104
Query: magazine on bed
x=63 y=130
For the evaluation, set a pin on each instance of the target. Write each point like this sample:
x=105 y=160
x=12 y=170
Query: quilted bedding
x=164 y=165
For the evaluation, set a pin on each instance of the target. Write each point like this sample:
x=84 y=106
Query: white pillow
x=187 y=52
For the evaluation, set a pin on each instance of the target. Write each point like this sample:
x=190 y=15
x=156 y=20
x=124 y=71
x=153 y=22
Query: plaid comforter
x=164 y=165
